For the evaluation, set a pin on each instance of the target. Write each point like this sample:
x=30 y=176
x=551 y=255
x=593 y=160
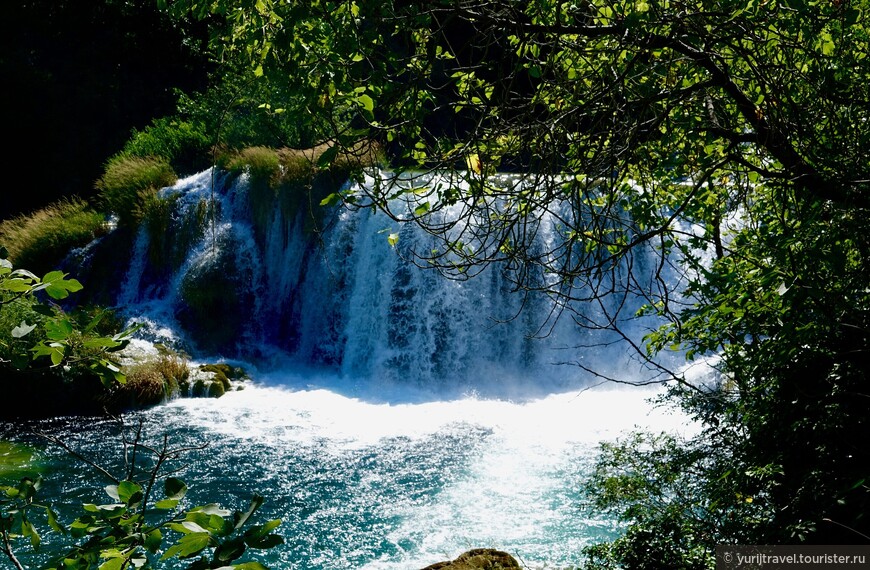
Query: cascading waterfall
x=328 y=290
x=395 y=418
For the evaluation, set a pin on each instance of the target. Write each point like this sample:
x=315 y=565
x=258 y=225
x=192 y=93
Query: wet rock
x=479 y=559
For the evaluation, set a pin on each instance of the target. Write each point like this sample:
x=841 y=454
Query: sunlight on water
x=434 y=420
x=381 y=486
x=378 y=480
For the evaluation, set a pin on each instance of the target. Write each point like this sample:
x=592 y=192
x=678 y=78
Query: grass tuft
x=260 y=162
x=41 y=240
x=131 y=181
x=150 y=382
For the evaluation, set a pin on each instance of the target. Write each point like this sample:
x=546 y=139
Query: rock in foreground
x=479 y=559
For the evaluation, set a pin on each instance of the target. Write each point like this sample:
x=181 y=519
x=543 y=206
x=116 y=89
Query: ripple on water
x=383 y=486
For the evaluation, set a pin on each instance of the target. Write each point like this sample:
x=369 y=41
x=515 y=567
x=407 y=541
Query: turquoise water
x=453 y=416
x=372 y=478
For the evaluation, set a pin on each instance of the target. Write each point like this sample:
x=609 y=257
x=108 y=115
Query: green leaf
x=56 y=355
x=25 y=274
x=230 y=550
x=109 y=373
x=129 y=492
x=28 y=530
x=240 y=519
x=112 y=491
x=331 y=200
x=166 y=504
x=59 y=329
x=188 y=545
x=422 y=209
x=113 y=563
x=249 y=566
x=16 y=285
x=219 y=525
x=52 y=521
x=57 y=287
x=393 y=239
x=153 y=540
x=188 y=527
x=264 y=529
x=174 y=488
x=265 y=542
x=367 y=104
x=325 y=159
x=211 y=509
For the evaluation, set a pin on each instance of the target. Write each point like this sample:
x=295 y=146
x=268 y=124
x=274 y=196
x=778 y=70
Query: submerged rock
x=479 y=559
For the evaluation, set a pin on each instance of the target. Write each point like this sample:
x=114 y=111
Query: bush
x=242 y=120
x=138 y=525
x=14 y=348
x=185 y=145
x=44 y=350
x=130 y=181
x=42 y=239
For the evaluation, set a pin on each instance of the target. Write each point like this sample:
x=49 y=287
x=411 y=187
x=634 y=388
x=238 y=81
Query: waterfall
x=395 y=418
x=243 y=270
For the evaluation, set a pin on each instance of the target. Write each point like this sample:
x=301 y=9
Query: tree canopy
x=731 y=138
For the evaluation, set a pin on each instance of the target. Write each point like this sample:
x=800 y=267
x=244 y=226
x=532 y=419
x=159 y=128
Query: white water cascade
x=339 y=296
x=395 y=418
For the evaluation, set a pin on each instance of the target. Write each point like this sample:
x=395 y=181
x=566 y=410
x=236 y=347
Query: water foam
x=427 y=478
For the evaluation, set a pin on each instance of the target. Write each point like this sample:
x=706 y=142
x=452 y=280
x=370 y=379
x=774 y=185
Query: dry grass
x=260 y=162
x=130 y=180
x=291 y=165
x=150 y=382
x=39 y=241
x=360 y=155
x=145 y=385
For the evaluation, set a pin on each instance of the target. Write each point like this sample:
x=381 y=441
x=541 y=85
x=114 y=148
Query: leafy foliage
x=727 y=138
x=185 y=145
x=136 y=529
x=46 y=332
x=261 y=163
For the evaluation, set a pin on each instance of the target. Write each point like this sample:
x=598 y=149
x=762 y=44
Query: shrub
x=184 y=144
x=130 y=181
x=43 y=350
x=14 y=348
x=145 y=385
x=42 y=239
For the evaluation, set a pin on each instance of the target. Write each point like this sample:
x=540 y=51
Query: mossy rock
x=479 y=559
x=199 y=389
x=213 y=303
x=220 y=373
x=213 y=380
x=216 y=390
